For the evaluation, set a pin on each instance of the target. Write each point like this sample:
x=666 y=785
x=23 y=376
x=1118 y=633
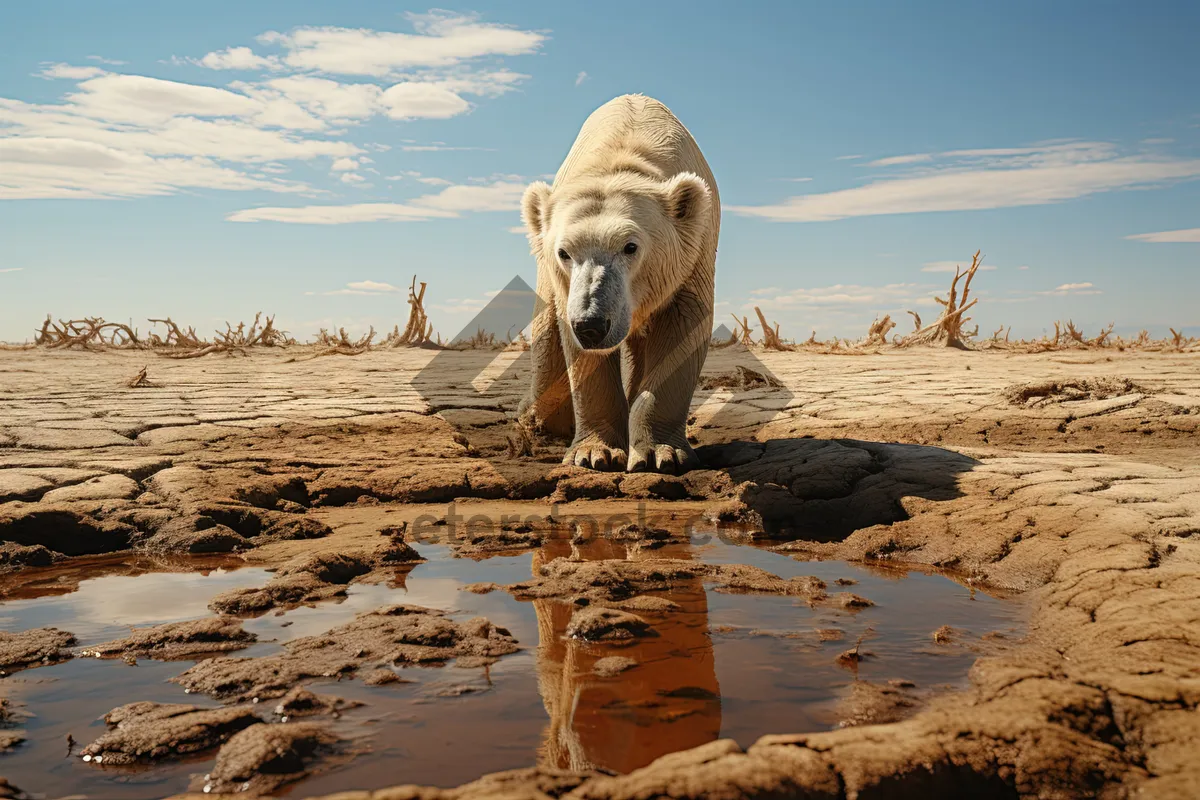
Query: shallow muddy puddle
x=719 y=665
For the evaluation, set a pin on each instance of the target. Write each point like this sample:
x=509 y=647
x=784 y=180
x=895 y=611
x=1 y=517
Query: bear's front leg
x=601 y=411
x=663 y=366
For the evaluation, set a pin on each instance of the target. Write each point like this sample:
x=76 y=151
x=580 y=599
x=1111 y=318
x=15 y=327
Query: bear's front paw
x=595 y=453
x=662 y=458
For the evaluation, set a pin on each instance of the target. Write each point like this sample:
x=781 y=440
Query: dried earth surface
x=1071 y=478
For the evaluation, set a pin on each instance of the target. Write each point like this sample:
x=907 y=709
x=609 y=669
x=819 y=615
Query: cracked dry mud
x=1071 y=479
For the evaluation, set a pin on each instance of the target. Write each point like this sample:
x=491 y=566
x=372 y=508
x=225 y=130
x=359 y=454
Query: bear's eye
x=631 y=248
x=564 y=255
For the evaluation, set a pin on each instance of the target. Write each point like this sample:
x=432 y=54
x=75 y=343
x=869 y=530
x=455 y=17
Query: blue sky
x=210 y=160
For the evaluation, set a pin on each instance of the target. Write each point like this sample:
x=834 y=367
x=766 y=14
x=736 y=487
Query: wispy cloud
x=12 y=269
x=1185 y=235
x=580 y=78
x=54 y=71
x=241 y=58
x=441 y=40
x=362 y=288
x=963 y=180
x=895 y=161
x=849 y=158
x=845 y=295
x=451 y=202
x=1072 y=289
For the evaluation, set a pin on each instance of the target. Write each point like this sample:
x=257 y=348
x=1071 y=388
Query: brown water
x=721 y=666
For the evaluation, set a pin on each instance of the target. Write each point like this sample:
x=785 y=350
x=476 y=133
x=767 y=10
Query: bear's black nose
x=590 y=331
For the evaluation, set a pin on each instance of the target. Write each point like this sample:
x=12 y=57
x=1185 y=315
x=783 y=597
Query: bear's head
x=620 y=246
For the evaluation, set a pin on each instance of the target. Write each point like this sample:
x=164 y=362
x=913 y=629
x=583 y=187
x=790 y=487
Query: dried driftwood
x=771 y=339
x=419 y=329
x=743 y=331
x=948 y=329
x=87 y=333
x=140 y=380
x=877 y=333
x=237 y=340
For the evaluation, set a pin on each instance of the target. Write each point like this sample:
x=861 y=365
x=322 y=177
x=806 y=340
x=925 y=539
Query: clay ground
x=1072 y=478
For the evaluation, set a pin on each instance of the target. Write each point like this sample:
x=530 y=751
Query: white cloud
x=329 y=99
x=518 y=229
x=580 y=78
x=989 y=178
x=352 y=177
x=44 y=168
x=1185 y=235
x=442 y=39
x=890 y=295
x=951 y=266
x=343 y=164
x=1072 y=289
x=12 y=269
x=1023 y=267
x=68 y=71
x=125 y=135
x=848 y=158
x=338 y=215
x=111 y=61
x=372 y=286
x=894 y=161
x=422 y=101
x=242 y=58
x=499 y=196
x=449 y=203
x=795 y=180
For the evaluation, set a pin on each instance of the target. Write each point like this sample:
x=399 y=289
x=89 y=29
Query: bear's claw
x=590 y=455
x=663 y=458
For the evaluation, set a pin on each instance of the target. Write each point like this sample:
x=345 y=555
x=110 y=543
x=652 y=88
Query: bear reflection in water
x=669 y=701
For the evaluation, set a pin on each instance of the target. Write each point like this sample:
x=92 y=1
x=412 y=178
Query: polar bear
x=626 y=246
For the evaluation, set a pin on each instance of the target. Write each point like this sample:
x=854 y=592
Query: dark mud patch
x=740 y=378
x=1070 y=389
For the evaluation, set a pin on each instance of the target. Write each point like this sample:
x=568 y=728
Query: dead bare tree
x=771 y=340
x=176 y=337
x=339 y=345
x=232 y=340
x=88 y=333
x=418 y=330
x=743 y=330
x=877 y=333
x=948 y=329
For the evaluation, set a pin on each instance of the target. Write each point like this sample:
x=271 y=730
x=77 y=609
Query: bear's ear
x=689 y=201
x=534 y=206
